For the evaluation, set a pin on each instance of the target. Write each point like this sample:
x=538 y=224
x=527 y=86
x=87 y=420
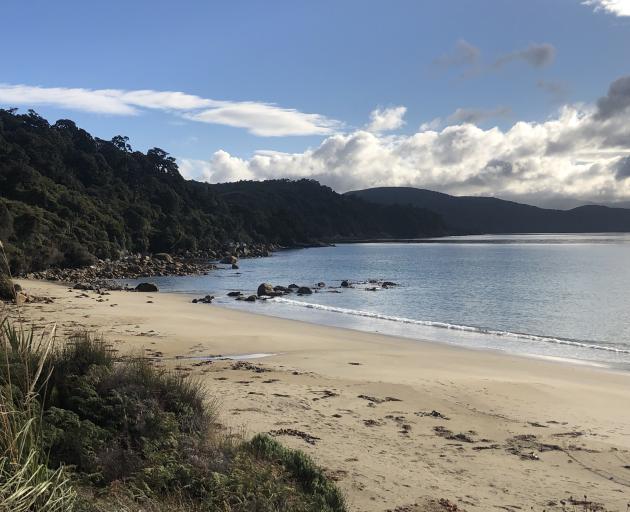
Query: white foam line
x=455 y=327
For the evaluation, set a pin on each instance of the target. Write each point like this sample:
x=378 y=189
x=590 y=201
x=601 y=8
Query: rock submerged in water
x=228 y=259
x=146 y=288
x=265 y=289
x=234 y=294
x=234 y=266
x=293 y=286
x=204 y=300
x=251 y=298
x=345 y=284
x=321 y=284
x=304 y=290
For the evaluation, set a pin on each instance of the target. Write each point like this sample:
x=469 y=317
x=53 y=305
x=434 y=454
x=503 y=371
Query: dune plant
x=26 y=482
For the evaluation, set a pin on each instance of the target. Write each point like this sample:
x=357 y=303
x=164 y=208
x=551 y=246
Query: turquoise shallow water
x=559 y=296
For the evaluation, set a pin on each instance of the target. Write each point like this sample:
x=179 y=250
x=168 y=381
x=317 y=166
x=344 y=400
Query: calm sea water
x=559 y=296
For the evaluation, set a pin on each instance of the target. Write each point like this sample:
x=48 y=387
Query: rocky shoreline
x=105 y=274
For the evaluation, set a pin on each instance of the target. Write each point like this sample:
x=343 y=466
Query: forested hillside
x=67 y=197
x=471 y=215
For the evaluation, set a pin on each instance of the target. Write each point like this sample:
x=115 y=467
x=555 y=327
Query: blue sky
x=325 y=66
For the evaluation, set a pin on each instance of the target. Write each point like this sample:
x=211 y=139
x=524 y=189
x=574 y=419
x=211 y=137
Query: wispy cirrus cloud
x=469 y=59
x=538 y=55
x=478 y=115
x=263 y=119
x=616 y=7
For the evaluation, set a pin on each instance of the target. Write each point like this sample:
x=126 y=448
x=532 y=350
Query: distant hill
x=475 y=215
x=67 y=197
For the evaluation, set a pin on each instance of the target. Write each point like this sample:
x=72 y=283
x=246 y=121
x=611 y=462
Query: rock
x=163 y=256
x=228 y=259
x=304 y=290
x=234 y=266
x=293 y=286
x=387 y=284
x=235 y=294
x=345 y=284
x=280 y=289
x=146 y=288
x=204 y=300
x=7 y=292
x=372 y=289
x=251 y=298
x=321 y=284
x=265 y=289
x=82 y=286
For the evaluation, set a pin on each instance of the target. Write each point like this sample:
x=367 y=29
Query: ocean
x=564 y=296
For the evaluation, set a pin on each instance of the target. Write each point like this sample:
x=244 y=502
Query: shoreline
x=369 y=399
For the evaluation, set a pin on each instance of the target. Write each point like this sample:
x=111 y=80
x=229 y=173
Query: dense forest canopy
x=67 y=197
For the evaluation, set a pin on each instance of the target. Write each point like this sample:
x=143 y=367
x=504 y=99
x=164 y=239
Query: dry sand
x=508 y=433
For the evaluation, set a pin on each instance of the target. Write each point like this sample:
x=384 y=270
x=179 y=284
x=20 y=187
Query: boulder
x=265 y=289
x=7 y=292
x=304 y=290
x=280 y=289
x=163 y=256
x=146 y=288
x=228 y=259
x=293 y=286
x=345 y=284
x=204 y=300
x=251 y=298
x=234 y=294
x=234 y=266
x=387 y=284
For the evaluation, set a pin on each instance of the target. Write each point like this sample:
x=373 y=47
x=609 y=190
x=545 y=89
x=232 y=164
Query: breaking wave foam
x=455 y=327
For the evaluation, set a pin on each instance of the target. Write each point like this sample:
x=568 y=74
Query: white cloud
x=579 y=154
x=387 y=119
x=476 y=115
x=266 y=120
x=263 y=119
x=616 y=7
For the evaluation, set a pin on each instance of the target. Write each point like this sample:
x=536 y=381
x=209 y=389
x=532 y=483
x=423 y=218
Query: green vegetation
x=87 y=430
x=67 y=197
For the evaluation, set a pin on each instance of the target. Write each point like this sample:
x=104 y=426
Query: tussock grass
x=26 y=482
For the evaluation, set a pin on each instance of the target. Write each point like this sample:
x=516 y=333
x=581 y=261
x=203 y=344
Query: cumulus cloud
x=475 y=115
x=622 y=168
x=575 y=156
x=617 y=100
x=536 y=55
x=265 y=119
x=387 y=119
x=616 y=7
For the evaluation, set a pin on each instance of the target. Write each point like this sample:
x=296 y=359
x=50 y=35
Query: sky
x=526 y=100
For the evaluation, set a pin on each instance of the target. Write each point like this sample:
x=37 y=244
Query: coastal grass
x=26 y=482
x=85 y=428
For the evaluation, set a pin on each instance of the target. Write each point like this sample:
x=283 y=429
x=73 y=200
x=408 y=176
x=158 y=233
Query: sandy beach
x=401 y=425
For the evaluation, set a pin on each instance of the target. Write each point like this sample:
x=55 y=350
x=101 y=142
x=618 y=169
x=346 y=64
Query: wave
x=455 y=327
